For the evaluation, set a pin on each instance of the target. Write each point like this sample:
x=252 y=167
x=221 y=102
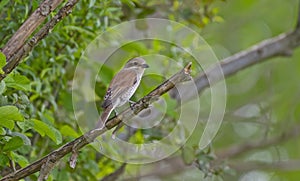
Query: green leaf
x=18 y=82
x=44 y=71
x=2 y=131
x=25 y=125
x=48 y=130
x=25 y=139
x=21 y=160
x=2 y=60
x=8 y=114
x=2 y=86
x=92 y=3
x=79 y=29
x=8 y=124
x=40 y=127
x=3 y=3
x=188 y=155
x=68 y=131
x=13 y=144
x=3 y=160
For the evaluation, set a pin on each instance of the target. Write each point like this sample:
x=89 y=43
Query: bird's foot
x=131 y=104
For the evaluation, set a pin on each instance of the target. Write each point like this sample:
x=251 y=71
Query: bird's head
x=138 y=63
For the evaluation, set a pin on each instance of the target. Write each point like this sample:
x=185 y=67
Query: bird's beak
x=145 y=66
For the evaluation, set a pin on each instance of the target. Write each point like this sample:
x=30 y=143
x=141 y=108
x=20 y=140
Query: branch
x=239 y=149
x=281 y=45
x=20 y=53
x=233 y=151
x=161 y=169
x=180 y=167
x=56 y=155
x=289 y=165
x=29 y=26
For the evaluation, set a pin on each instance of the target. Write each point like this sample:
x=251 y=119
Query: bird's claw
x=131 y=104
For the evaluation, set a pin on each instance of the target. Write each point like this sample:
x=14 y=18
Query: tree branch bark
x=15 y=57
x=289 y=165
x=239 y=149
x=281 y=45
x=56 y=155
x=29 y=26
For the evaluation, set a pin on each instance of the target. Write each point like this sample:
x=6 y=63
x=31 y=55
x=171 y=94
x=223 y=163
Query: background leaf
x=2 y=87
x=9 y=114
x=68 y=131
x=3 y=159
x=21 y=160
x=17 y=81
x=13 y=144
x=48 y=130
x=2 y=58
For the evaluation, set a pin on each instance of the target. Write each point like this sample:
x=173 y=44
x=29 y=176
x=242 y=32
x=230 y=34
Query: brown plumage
x=122 y=87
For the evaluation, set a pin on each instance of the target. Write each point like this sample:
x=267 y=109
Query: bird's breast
x=128 y=93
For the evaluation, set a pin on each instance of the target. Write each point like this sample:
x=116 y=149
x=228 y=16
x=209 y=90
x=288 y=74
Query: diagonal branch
x=281 y=45
x=20 y=53
x=29 y=26
x=239 y=149
x=56 y=155
x=286 y=165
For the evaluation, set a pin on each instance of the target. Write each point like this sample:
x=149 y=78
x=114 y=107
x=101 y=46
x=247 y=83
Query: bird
x=122 y=87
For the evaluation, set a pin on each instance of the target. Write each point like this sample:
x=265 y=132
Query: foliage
x=36 y=111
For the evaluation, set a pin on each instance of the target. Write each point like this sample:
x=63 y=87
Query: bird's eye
x=135 y=63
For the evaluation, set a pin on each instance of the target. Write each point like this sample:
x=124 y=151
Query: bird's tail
x=104 y=116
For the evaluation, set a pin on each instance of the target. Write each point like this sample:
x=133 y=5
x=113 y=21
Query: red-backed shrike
x=122 y=87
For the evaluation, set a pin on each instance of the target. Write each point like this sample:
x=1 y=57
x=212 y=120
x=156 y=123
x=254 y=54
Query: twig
x=20 y=53
x=46 y=168
x=182 y=76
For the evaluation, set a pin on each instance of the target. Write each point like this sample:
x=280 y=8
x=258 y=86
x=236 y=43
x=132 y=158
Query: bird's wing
x=121 y=82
